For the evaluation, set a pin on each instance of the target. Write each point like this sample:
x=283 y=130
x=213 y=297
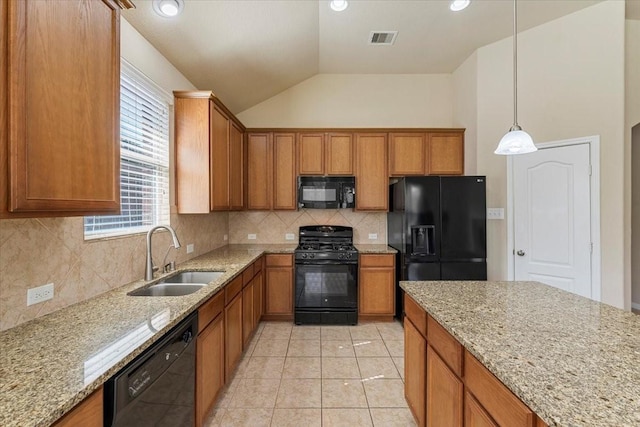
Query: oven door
x=326 y=287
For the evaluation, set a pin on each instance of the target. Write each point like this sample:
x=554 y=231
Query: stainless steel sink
x=194 y=277
x=167 y=290
x=183 y=283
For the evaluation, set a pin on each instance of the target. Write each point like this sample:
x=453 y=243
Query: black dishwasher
x=158 y=387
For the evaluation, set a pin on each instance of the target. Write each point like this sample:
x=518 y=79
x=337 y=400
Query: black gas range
x=326 y=276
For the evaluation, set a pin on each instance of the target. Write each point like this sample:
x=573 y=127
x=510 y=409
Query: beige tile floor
x=308 y=376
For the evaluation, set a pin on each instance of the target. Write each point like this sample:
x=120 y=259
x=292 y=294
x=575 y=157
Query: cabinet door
x=63 y=120
x=192 y=145
x=259 y=170
x=407 y=154
x=284 y=171
x=415 y=361
x=209 y=368
x=279 y=291
x=233 y=334
x=258 y=291
x=446 y=154
x=88 y=413
x=339 y=154
x=377 y=291
x=444 y=393
x=372 y=182
x=247 y=313
x=236 y=168
x=474 y=414
x=219 y=160
x=310 y=153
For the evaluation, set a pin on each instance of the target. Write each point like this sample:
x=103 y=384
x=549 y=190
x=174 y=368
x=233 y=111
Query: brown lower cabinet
x=233 y=325
x=88 y=413
x=376 y=287
x=278 y=288
x=210 y=361
x=446 y=386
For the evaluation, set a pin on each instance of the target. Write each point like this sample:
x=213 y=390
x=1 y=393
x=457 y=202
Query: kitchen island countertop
x=573 y=361
x=50 y=364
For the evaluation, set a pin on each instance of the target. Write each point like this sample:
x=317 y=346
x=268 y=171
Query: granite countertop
x=573 y=361
x=375 y=249
x=50 y=364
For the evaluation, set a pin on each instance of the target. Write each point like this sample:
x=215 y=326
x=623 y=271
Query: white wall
x=358 y=100
x=570 y=84
x=632 y=155
x=465 y=109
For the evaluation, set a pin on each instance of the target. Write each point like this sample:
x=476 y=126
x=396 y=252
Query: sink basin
x=183 y=283
x=168 y=290
x=194 y=277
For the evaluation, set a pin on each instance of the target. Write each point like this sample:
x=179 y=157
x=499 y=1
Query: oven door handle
x=326 y=262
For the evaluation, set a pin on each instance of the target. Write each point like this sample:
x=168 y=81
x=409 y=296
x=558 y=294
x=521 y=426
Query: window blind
x=144 y=159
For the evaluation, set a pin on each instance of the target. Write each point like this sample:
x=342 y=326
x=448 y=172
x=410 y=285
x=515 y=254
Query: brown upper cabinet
x=426 y=153
x=60 y=145
x=325 y=153
x=208 y=146
x=271 y=171
x=372 y=182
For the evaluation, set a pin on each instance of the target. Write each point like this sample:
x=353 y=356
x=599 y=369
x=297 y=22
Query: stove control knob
x=304 y=256
x=341 y=256
x=312 y=255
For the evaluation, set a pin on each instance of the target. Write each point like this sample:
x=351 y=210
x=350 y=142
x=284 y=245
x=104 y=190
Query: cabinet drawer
x=416 y=314
x=257 y=266
x=499 y=402
x=279 y=260
x=210 y=310
x=232 y=289
x=247 y=275
x=376 y=261
x=449 y=349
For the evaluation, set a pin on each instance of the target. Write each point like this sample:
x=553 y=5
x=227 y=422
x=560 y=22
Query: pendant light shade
x=516 y=141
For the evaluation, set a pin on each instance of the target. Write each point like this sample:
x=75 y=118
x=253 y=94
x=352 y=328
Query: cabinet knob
x=520 y=252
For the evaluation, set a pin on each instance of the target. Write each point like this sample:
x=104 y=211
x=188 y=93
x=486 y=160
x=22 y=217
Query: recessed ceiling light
x=458 y=5
x=168 y=8
x=338 y=5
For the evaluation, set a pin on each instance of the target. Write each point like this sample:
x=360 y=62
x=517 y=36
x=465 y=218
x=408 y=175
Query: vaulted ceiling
x=249 y=51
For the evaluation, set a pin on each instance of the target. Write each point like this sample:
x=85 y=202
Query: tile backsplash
x=271 y=227
x=34 y=252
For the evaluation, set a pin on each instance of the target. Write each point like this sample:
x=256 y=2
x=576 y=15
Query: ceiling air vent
x=382 y=38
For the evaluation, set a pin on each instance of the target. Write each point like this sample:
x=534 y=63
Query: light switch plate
x=225 y=237
x=495 y=213
x=251 y=236
x=289 y=236
x=190 y=248
x=40 y=294
x=373 y=236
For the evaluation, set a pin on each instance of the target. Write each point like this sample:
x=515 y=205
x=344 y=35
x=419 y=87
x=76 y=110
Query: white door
x=552 y=218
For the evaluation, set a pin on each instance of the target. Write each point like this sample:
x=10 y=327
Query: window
x=144 y=159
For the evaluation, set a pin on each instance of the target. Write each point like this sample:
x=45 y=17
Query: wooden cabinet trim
x=499 y=402
x=449 y=349
x=279 y=260
x=474 y=413
x=377 y=261
x=232 y=289
x=210 y=310
x=416 y=314
x=247 y=275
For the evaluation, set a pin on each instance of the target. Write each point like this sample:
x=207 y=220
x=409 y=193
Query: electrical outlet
x=495 y=213
x=225 y=237
x=289 y=236
x=40 y=294
x=373 y=236
x=251 y=236
x=190 y=248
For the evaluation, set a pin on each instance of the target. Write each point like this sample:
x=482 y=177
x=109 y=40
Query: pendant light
x=516 y=141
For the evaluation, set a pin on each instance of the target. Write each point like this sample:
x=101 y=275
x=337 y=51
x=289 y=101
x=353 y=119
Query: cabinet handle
x=520 y=253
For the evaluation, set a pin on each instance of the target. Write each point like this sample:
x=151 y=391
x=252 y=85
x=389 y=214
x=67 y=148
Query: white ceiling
x=247 y=51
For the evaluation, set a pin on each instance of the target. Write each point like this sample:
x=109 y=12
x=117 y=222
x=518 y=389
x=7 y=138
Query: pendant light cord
x=515 y=64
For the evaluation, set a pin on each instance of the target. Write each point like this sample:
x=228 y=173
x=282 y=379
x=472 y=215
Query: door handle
x=520 y=252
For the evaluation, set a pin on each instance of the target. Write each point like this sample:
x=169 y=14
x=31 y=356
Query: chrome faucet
x=148 y=272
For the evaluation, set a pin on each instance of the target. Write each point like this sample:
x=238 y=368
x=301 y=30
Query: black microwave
x=326 y=192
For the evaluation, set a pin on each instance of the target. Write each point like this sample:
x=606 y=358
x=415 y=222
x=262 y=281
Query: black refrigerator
x=438 y=226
